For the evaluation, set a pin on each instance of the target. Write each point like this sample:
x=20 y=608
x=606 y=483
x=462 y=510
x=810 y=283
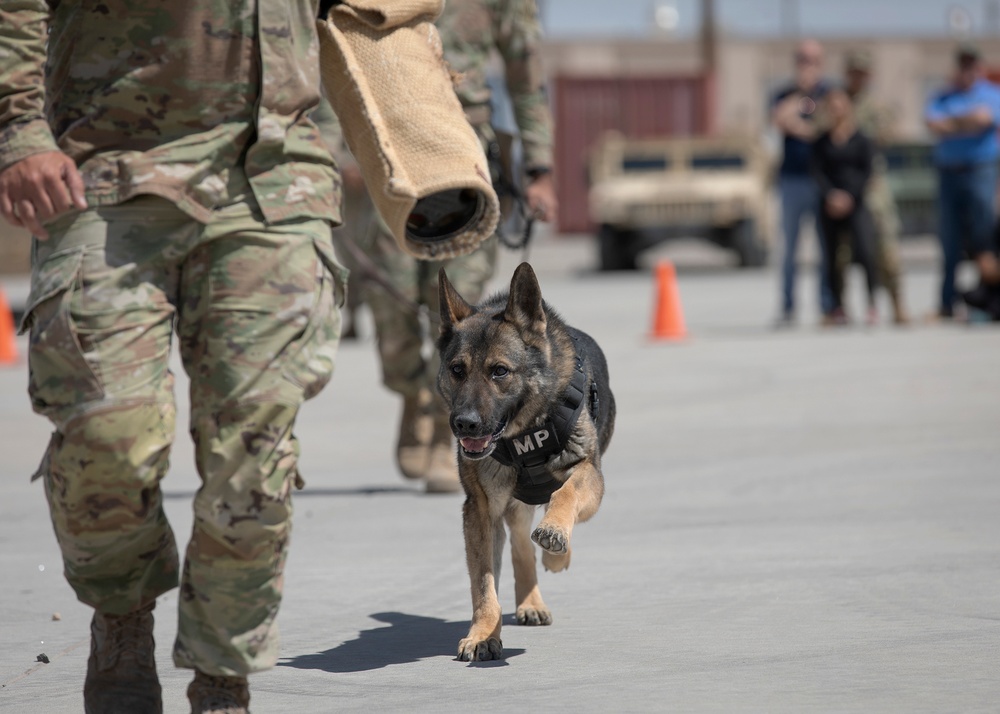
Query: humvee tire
x=617 y=249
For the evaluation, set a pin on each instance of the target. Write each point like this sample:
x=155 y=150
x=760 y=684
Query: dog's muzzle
x=482 y=446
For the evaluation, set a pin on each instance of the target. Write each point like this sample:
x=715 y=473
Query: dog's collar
x=529 y=451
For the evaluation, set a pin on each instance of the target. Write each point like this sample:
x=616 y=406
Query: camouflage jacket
x=186 y=99
x=470 y=31
x=874 y=119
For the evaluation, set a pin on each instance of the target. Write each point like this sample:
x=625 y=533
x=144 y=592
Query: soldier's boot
x=121 y=670
x=442 y=471
x=215 y=694
x=412 y=448
x=899 y=314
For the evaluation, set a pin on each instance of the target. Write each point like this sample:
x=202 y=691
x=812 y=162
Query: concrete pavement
x=798 y=521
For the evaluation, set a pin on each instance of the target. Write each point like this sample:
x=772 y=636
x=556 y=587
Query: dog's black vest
x=529 y=451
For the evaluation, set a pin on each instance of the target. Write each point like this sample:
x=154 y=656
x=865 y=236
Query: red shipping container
x=638 y=107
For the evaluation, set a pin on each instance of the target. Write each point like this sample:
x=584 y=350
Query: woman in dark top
x=842 y=164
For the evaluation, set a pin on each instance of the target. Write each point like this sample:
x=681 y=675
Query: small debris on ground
x=42 y=658
x=56 y=617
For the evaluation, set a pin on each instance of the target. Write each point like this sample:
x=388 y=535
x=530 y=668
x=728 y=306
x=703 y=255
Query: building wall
x=749 y=70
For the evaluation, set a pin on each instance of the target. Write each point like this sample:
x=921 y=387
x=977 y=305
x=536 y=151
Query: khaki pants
x=254 y=308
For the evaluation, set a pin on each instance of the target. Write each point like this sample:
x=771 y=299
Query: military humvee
x=913 y=181
x=644 y=191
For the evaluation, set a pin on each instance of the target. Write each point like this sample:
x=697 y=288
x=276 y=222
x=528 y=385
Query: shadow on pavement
x=409 y=638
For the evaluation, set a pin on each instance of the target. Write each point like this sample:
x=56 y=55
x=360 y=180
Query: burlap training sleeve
x=384 y=72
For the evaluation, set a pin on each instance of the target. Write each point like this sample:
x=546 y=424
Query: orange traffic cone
x=668 y=322
x=8 y=344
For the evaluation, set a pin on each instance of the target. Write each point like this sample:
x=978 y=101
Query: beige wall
x=904 y=70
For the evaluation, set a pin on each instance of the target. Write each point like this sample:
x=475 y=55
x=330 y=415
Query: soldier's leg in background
x=399 y=335
x=402 y=348
x=101 y=317
x=359 y=222
x=259 y=326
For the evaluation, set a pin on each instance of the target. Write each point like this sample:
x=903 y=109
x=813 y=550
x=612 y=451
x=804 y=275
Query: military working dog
x=532 y=410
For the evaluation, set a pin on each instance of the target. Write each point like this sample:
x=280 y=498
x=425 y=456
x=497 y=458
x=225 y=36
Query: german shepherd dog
x=532 y=411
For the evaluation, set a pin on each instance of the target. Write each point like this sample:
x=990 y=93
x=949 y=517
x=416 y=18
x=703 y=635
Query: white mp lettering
x=540 y=436
x=524 y=445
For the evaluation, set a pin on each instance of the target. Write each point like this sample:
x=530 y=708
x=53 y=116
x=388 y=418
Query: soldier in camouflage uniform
x=163 y=157
x=471 y=30
x=875 y=121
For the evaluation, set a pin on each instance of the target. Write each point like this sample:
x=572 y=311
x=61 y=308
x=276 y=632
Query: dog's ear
x=524 y=303
x=452 y=306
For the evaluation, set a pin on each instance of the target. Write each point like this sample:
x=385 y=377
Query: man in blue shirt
x=964 y=118
x=793 y=113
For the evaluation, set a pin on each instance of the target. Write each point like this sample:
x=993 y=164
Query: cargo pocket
x=311 y=367
x=60 y=379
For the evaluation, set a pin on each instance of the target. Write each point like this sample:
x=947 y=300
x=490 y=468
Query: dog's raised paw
x=471 y=650
x=550 y=538
x=532 y=616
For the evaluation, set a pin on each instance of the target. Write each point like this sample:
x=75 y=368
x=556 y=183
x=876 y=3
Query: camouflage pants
x=408 y=364
x=885 y=216
x=254 y=309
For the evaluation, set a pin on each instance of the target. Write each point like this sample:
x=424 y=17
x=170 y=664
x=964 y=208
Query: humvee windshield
x=717 y=161
x=645 y=163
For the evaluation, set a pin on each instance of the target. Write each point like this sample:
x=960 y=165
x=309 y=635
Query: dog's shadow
x=408 y=638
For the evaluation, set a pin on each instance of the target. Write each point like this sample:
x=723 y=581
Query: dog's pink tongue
x=475 y=445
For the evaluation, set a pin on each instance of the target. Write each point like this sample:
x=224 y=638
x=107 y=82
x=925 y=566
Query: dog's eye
x=458 y=370
x=500 y=371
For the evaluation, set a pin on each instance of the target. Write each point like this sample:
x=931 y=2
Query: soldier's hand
x=38 y=188
x=839 y=204
x=540 y=194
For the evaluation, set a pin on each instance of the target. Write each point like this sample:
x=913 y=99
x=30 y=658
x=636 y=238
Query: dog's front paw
x=533 y=616
x=475 y=650
x=553 y=539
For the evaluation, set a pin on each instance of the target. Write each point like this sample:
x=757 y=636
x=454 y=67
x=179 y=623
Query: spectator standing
x=793 y=113
x=842 y=159
x=964 y=118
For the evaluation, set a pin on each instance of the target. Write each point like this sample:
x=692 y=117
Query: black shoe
x=984 y=297
x=979 y=297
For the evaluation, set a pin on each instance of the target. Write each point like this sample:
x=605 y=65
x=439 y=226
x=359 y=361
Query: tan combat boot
x=412 y=449
x=215 y=694
x=121 y=670
x=442 y=470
